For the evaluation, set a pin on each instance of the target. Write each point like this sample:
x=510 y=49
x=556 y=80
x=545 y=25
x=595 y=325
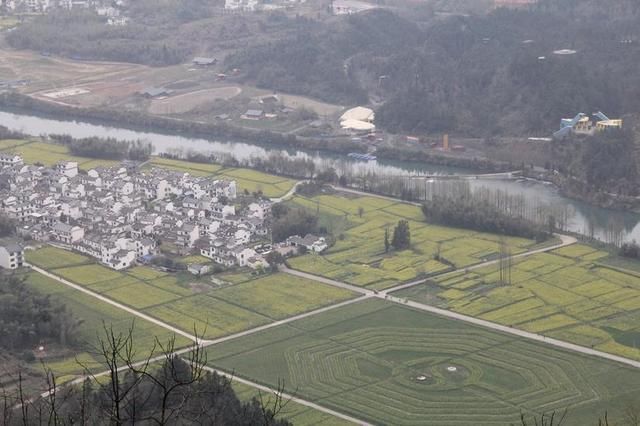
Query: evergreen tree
x=401 y=236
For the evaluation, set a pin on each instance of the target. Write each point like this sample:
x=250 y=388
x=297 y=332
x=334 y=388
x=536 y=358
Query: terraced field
x=389 y=364
x=358 y=255
x=567 y=294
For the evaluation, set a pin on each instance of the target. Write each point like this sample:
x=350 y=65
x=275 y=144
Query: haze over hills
x=320 y=212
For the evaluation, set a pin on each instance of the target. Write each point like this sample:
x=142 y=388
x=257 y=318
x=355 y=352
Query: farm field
x=567 y=294
x=53 y=257
x=296 y=413
x=49 y=154
x=389 y=364
x=280 y=296
x=246 y=301
x=186 y=102
x=358 y=255
x=92 y=314
x=247 y=179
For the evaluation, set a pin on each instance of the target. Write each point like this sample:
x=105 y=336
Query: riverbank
x=22 y=104
x=577 y=190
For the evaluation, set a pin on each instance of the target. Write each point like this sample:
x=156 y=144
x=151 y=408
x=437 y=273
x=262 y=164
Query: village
x=125 y=215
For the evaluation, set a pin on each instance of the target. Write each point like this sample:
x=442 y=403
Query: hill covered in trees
x=476 y=75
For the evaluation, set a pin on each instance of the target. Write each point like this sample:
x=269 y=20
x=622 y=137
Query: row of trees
x=106 y=148
x=473 y=212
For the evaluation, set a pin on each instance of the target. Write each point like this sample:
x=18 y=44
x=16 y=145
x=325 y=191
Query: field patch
x=49 y=257
x=281 y=295
x=213 y=317
x=562 y=293
x=389 y=364
x=359 y=257
x=93 y=314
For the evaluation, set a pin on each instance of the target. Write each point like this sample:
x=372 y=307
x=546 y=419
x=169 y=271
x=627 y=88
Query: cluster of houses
x=120 y=214
x=107 y=8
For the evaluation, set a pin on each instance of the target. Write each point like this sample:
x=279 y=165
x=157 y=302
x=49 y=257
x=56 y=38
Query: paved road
x=509 y=330
x=385 y=295
x=334 y=283
x=290 y=397
x=289 y=194
x=202 y=343
x=114 y=303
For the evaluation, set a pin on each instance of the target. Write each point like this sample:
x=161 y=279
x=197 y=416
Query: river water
x=585 y=218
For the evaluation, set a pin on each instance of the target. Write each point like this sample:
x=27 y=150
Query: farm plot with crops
x=280 y=295
x=93 y=315
x=562 y=294
x=389 y=364
x=358 y=255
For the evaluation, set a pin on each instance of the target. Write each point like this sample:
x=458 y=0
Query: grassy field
x=298 y=414
x=567 y=294
x=251 y=180
x=388 y=364
x=52 y=257
x=358 y=256
x=246 y=301
x=93 y=314
x=280 y=296
x=49 y=154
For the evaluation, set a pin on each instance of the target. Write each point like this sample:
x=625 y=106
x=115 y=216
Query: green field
x=251 y=180
x=280 y=296
x=246 y=301
x=298 y=414
x=566 y=294
x=52 y=257
x=358 y=255
x=389 y=364
x=92 y=314
x=49 y=154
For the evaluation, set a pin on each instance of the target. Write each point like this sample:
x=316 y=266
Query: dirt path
x=114 y=303
x=289 y=397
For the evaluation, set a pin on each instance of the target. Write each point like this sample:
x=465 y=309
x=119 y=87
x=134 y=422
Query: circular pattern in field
x=406 y=375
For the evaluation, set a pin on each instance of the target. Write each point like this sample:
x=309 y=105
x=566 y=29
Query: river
x=584 y=217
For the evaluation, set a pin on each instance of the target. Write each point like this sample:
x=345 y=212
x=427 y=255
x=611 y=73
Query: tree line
x=106 y=148
x=161 y=388
x=474 y=212
x=28 y=318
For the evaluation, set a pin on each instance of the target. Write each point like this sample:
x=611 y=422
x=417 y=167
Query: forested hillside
x=476 y=75
x=470 y=74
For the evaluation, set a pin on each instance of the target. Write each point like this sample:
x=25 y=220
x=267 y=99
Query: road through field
x=386 y=295
x=113 y=303
x=287 y=397
x=202 y=343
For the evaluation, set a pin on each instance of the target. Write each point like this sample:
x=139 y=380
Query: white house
x=310 y=242
x=66 y=233
x=11 y=255
x=67 y=168
x=10 y=159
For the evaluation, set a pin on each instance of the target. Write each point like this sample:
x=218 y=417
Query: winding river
x=584 y=218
